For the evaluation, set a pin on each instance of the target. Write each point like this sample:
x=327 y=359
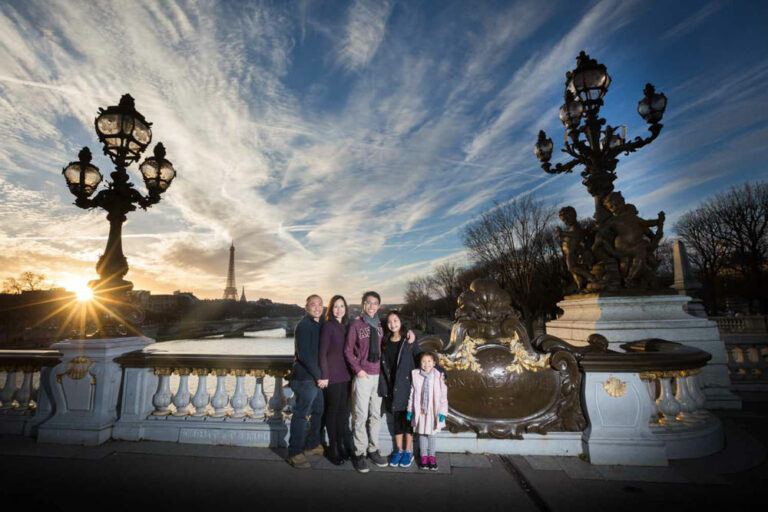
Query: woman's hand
x=361 y=374
x=322 y=383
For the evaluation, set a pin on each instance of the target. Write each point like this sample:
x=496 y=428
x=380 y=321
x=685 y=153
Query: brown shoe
x=299 y=461
x=317 y=450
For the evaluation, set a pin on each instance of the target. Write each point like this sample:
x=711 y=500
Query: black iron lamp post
x=588 y=139
x=615 y=252
x=125 y=134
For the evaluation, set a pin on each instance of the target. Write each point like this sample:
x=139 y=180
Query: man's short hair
x=312 y=297
x=371 y=294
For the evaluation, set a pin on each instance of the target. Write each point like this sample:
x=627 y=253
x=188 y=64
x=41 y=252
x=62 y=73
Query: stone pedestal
x=623 y=319
x=85 y=387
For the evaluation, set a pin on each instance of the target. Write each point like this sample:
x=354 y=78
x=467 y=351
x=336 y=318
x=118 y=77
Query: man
x=363 y=354
x=304 y=383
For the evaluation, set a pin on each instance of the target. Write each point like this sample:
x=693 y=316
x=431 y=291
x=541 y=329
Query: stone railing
x=645 y=405
x=747 y=358
x=204 y=398
x=22 y=405
x=754 y=324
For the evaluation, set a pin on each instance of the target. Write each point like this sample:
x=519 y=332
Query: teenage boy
x=363 y=354
x=304 y=383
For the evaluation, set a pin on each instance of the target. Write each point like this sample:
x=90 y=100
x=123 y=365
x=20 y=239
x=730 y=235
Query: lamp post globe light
x=124 y=134
x=616 y=251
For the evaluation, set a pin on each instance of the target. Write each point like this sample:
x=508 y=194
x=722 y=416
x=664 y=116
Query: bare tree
x=27 y=281
x=447 y=283
x=730 y=231
x=514 y=241
x=743 y=213
x=418 y=297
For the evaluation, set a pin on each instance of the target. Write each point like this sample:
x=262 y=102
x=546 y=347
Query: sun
x=79 y=285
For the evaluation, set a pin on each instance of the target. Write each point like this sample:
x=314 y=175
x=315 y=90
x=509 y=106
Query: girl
x=397 y=363
x=335 y=376
x=427 y=407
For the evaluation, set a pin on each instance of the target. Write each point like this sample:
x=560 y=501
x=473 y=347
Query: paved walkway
x=124 y=475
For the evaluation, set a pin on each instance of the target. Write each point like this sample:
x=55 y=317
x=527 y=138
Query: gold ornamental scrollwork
x=220 y=372
x=77 y=368
x=465 y=357
x=278 y=373
x=163 y=371
x=256 y=373
x=239 y=372
x=201 y=371
x=615 y=387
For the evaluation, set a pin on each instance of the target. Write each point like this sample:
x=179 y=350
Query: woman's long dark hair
x=388 y=334
x=329 y=310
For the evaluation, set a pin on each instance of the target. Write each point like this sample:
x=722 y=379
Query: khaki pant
x=367 y=410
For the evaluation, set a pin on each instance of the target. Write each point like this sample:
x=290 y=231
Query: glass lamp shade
x=652 y=106
x=614 y=141
x=543 y=148
x=123 y=131
x=82 y=177
x=571 y=111
x=158 y=172
x=589 y=81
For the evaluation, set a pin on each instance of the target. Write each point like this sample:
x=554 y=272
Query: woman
x=397 y=362
x=335 y=376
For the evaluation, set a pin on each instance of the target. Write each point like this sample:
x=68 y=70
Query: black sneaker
x=358 y=462
x=432 y=463
x=377 y=459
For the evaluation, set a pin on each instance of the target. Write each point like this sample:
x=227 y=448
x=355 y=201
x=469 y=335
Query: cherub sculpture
x=574 y=242
x=628 y=238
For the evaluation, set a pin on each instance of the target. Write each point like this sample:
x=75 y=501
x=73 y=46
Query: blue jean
x=308 y=409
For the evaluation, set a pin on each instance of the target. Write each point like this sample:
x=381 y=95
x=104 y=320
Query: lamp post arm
x=638 y=142
x=143 y=201
x=560 y=168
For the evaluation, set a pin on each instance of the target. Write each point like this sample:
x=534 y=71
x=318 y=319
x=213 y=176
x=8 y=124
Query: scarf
x=425 y=390
x=373 y=339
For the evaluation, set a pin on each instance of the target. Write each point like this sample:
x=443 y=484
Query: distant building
x=230 y=292
x=242 y=297
x=162 y=303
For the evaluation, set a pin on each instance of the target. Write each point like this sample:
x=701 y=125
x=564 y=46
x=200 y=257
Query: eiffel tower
x=230 y=292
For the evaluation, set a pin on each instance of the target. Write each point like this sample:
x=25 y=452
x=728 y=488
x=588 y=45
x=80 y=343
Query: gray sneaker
x=358 y=461
x=377 y=459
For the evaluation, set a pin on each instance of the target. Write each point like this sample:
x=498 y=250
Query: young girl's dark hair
x=403 y=329
x=431 y=354
x=329 y=310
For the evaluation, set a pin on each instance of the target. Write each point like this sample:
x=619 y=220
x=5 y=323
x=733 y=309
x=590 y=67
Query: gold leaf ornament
x=615 y=387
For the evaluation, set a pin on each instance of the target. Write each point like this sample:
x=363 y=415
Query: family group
x=337 y=359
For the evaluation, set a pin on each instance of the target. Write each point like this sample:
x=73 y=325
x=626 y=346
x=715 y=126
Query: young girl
x=397 y=363
x=427 y=407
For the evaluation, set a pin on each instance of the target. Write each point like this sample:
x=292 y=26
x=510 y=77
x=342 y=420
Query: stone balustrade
x=747 y=358
x=742 y=324
x=22 y=405
x=646 y=404
x=204 y=398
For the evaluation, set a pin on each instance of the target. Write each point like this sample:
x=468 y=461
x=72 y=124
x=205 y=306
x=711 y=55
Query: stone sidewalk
x=125 y=475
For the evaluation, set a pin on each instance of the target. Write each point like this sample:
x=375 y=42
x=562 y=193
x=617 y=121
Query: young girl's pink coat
x=430 y=423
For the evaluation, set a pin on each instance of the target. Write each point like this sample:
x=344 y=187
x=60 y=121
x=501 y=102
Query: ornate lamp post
x=616 y=252
x=125 y=134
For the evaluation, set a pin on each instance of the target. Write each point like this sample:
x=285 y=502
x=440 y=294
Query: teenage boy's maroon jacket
x=356 y=348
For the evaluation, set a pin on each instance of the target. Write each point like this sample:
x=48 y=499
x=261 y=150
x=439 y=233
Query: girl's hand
x=322 y=383
x=410 y=336
x=441 y=418
x=409 y=416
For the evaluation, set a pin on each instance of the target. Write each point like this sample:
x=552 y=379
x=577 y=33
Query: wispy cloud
x=694 y=20
x=364 y=32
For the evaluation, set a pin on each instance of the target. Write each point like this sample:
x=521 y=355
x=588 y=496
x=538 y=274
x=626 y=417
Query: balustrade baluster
x=258 y=402
x=684 y=399
x=239 y=398
x=24 y=394
x=692 y=381
x=182 y=396
x=201 y=398
x=162 y=398
x=666 y=402
x=9 y=389
x=278 y=402
x=220 y=398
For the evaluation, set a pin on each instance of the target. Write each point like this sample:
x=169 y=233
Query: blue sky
x=344 y=145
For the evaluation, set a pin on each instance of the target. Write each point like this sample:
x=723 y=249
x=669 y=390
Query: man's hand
x=322 y=383
x=410 y=336
x=361 y=374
